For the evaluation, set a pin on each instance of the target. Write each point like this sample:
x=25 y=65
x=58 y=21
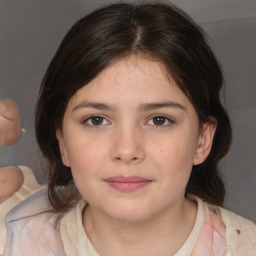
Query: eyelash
x=90 y=118
x=165 y=118
x=168 y=119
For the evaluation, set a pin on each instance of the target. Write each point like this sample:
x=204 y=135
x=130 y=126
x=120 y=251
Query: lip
x=127 y=183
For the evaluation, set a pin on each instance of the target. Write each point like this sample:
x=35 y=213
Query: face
x=131 y=137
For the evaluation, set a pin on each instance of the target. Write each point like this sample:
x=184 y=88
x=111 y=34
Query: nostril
x=126 y=158
x=133 y=159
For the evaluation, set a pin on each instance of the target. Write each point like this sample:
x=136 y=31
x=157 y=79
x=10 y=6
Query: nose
x=127 y=146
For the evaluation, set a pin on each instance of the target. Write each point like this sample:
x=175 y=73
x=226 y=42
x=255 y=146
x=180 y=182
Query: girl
x=130 y=121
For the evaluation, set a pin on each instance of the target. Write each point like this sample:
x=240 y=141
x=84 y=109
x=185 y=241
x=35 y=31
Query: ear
x=204 y=142
x=62 y=147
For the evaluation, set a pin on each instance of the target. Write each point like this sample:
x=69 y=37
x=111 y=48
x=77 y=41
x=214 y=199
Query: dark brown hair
x=161 y=31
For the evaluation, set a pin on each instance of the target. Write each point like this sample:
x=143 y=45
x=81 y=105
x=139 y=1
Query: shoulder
x=240 y=234
x=237 y=233
x=33 y=221
x=35 y=205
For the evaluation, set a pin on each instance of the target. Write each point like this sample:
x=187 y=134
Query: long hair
x=160 y=31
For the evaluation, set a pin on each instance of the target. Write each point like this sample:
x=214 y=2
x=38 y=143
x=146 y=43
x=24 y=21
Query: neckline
x=72 y=226
x=189 y=244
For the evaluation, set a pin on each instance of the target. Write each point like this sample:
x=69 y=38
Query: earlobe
x=62 y=148
x=204 y=142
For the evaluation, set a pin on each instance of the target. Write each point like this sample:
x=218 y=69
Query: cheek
x=85 y=157
x=174 y=158
x=178 y=151
x=81 y=149
x=86 y=165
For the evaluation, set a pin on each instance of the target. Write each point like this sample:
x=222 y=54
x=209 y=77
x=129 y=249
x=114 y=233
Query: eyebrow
x=142 y=107
x=157 y=105
x=96 y=105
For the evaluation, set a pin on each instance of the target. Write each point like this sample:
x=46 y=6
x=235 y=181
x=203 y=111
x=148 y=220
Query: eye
x=96 y=121
x=160 y=121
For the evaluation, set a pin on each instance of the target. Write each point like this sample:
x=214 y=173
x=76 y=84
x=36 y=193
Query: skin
x=129 y=140
x=11 y=178
x=10 y=123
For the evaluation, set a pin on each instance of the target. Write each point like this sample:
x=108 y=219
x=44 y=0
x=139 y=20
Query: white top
x=35 y=229
x=76 y=242
x=29 y=187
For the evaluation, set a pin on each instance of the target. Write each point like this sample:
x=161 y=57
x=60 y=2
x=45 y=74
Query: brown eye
x=160 y=121
x=95 y=121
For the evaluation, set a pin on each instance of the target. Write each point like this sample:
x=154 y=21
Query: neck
x=166 y=232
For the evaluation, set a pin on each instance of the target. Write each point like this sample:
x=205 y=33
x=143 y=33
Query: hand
x=10 y=123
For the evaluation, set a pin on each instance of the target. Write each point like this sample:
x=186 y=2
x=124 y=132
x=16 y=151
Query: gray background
x=30 y=32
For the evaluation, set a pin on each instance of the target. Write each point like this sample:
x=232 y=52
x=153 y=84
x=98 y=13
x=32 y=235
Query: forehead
x=133 y=77
x=135 y=67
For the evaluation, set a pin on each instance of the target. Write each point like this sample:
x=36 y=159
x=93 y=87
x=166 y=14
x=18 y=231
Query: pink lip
x=127 y=183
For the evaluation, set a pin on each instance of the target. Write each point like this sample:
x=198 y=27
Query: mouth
x=127 y=183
